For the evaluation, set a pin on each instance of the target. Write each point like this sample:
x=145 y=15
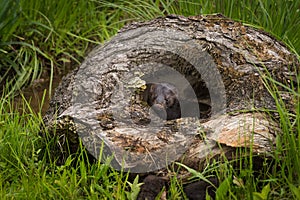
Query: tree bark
x=218 y=65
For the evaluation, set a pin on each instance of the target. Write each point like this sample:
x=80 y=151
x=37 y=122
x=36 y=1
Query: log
x=219 y=67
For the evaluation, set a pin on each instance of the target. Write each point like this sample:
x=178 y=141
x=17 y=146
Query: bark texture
x=223 y=62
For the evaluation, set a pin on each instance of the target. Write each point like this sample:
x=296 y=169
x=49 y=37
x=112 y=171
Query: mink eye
x=168 y=101
x=153 y=99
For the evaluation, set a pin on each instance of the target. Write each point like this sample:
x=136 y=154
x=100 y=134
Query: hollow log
x=219 y=67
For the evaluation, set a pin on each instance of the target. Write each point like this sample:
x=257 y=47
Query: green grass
x=44 y=39
x=25 y=174
x=49 y=37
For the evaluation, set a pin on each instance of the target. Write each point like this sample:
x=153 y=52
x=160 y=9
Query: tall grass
x=38 y=38
x=25 y=174
x=288 y=144
x=51 y=36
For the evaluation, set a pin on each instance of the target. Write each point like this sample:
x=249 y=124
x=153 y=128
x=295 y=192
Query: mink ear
x=152 y=88
x=146 y=94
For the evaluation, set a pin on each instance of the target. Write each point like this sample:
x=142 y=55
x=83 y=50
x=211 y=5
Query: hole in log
x=175 y=80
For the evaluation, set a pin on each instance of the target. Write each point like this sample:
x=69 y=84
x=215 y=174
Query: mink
x=163 y=99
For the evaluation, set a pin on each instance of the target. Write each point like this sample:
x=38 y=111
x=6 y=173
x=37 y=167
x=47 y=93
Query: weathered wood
x=221 y=61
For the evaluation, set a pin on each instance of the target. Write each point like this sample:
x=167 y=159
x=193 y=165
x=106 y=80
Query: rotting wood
x=241 y=55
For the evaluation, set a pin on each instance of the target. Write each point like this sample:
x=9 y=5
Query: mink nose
x=160 y=111
x=158 y=107
x=160 y=102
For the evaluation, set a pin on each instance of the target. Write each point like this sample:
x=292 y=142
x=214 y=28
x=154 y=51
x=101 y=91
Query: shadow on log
x=218 y=67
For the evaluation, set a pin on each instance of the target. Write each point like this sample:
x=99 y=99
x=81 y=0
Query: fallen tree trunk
x=219 y=67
